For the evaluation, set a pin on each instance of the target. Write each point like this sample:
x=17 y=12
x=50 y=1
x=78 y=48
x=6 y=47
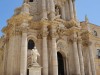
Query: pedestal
x=35 y=70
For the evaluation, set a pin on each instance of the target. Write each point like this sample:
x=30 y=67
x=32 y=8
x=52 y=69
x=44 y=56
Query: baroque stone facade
x=66 y=46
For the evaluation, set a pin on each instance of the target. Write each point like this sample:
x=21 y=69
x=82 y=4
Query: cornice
x=18 y=19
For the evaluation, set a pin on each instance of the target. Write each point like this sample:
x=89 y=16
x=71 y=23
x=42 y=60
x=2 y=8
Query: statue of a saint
x=34 y=54
x=57 y=11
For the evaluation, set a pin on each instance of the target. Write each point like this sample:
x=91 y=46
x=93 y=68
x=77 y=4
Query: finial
x=86 y=19
x=88 y=25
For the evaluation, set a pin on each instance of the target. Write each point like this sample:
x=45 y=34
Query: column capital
x=53 y=34
x=74 y=39
x=45 y=33
x=79 y=40
x=24 y=26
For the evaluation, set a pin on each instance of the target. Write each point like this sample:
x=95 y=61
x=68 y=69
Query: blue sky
x=91 y=8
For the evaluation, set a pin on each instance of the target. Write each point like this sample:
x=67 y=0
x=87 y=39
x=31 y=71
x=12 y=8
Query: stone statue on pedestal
x=34 y=55
x=35 y=68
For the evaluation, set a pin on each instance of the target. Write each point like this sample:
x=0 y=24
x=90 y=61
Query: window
x=95 y=33
x=98 y=53
x=31 y=44
x=30 y=0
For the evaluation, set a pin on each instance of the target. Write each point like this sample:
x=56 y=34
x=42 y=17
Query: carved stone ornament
x=71 y=23
x=54 y=34
x=45 y=33
x=61 y=45
x=17 y=19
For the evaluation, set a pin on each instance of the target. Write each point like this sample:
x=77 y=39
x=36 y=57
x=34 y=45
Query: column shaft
x=63 y=12
x=45 y=56
x=92 y=60
x=44 y=9
x=23 y=66
x=74 y=9
x=76 y=57
x=81 y=57
x=54 y=57
x=67 y=10
x=71 y=9
x=52 y=7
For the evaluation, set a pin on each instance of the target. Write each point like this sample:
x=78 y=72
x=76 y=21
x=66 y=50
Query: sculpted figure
x=34 y=54
x=57 y=11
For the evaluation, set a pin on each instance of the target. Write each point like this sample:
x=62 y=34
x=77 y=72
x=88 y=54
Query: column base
x=35 y=69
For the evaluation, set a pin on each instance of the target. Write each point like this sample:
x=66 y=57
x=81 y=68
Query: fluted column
x=92 y=59
x=81 y=56
x=44 y=9
x=54 y=51
x=52 y=7
x=76 y=57
x=71 y=9
x=45 y=51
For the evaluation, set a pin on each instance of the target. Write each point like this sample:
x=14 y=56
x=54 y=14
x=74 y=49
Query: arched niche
x=31 y=44
x=57 y=10
x=95 y=33
x=31 y=0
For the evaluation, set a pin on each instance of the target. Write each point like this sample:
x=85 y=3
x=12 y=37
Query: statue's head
x=34 y=47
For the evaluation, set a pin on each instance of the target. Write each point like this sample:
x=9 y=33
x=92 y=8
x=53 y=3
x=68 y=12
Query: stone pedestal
x=35 y=70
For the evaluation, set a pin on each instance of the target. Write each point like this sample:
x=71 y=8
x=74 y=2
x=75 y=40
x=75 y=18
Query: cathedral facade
x=66 y=46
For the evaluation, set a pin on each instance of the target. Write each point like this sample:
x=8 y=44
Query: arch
x=62 y=47
x=34 y=38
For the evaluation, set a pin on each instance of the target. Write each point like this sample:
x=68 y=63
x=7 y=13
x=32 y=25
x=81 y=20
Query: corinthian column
x=23 y=63
x=45 y=52
x=44 y=9
x=76 y=57
x=54 y=51
x=92 y=59
x=71 y=9
x=81 y=56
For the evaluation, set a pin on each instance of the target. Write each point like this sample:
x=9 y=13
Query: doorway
x=60 y=64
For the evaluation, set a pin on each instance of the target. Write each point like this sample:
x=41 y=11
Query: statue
x=34 y=54
x=57 y=11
